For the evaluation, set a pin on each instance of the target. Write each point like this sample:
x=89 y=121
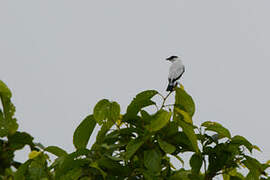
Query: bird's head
x=172 y=58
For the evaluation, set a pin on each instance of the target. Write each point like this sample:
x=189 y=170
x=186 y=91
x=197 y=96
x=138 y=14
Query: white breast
x=176 y=69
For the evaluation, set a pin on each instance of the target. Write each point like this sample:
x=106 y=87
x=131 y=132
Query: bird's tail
x=170 y=87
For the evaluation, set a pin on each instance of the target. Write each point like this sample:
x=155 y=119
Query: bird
x=176 y=71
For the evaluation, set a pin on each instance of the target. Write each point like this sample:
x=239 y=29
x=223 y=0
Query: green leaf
x=114 y=111
x=56 y=151
x=73 y=174
x=186 y=116
x=8 y=124
x=218 y=128
x=83 y=132
x=79 y=152
x=146 y=117
x=65 y=164
x=4 y=90
x=240 y=140
x=189 y=131
x=234 y=174
x=170 y=129
x=254 y=166
x=152 y=160
x=147 y=175
x=235 y=178
x=257 y=148
x=95 y=165
x=112 y=167
x=37 y=170
x=102 y=134
x=142 y=100
x=182 y=174
x=183 y=99
x=166 y=147
x=20 y=173
x=106 y=110
x=132 y=147
x=226 y=177
x=41 y=146
x=195 y=162
x=19 y=140
x=101 y=110
x=160 y=119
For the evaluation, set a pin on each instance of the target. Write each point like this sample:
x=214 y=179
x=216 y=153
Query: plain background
x=59 y=57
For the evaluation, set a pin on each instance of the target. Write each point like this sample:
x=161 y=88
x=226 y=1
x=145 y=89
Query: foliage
x=138 y=144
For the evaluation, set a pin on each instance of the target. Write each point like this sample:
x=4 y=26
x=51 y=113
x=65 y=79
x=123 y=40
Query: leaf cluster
x=137 y=144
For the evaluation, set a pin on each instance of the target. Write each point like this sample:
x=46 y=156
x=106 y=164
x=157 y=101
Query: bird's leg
x=176 y=83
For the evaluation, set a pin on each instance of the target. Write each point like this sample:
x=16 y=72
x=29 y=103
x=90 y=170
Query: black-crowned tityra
x=176 y=71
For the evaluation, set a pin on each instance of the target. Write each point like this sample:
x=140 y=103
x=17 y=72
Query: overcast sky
x=60 y=57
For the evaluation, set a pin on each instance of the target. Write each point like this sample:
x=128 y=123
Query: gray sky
x=60 y=57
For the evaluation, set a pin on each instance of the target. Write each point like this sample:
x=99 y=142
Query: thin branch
x=161 y=95
x=202 y=143
x=168 y=105
x=165 y=98
x=204 y=163
x=156 y=107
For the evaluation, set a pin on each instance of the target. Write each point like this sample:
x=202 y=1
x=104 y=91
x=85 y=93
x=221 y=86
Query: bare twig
x=168 y=105
x=165 y=98
x=161 y=95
